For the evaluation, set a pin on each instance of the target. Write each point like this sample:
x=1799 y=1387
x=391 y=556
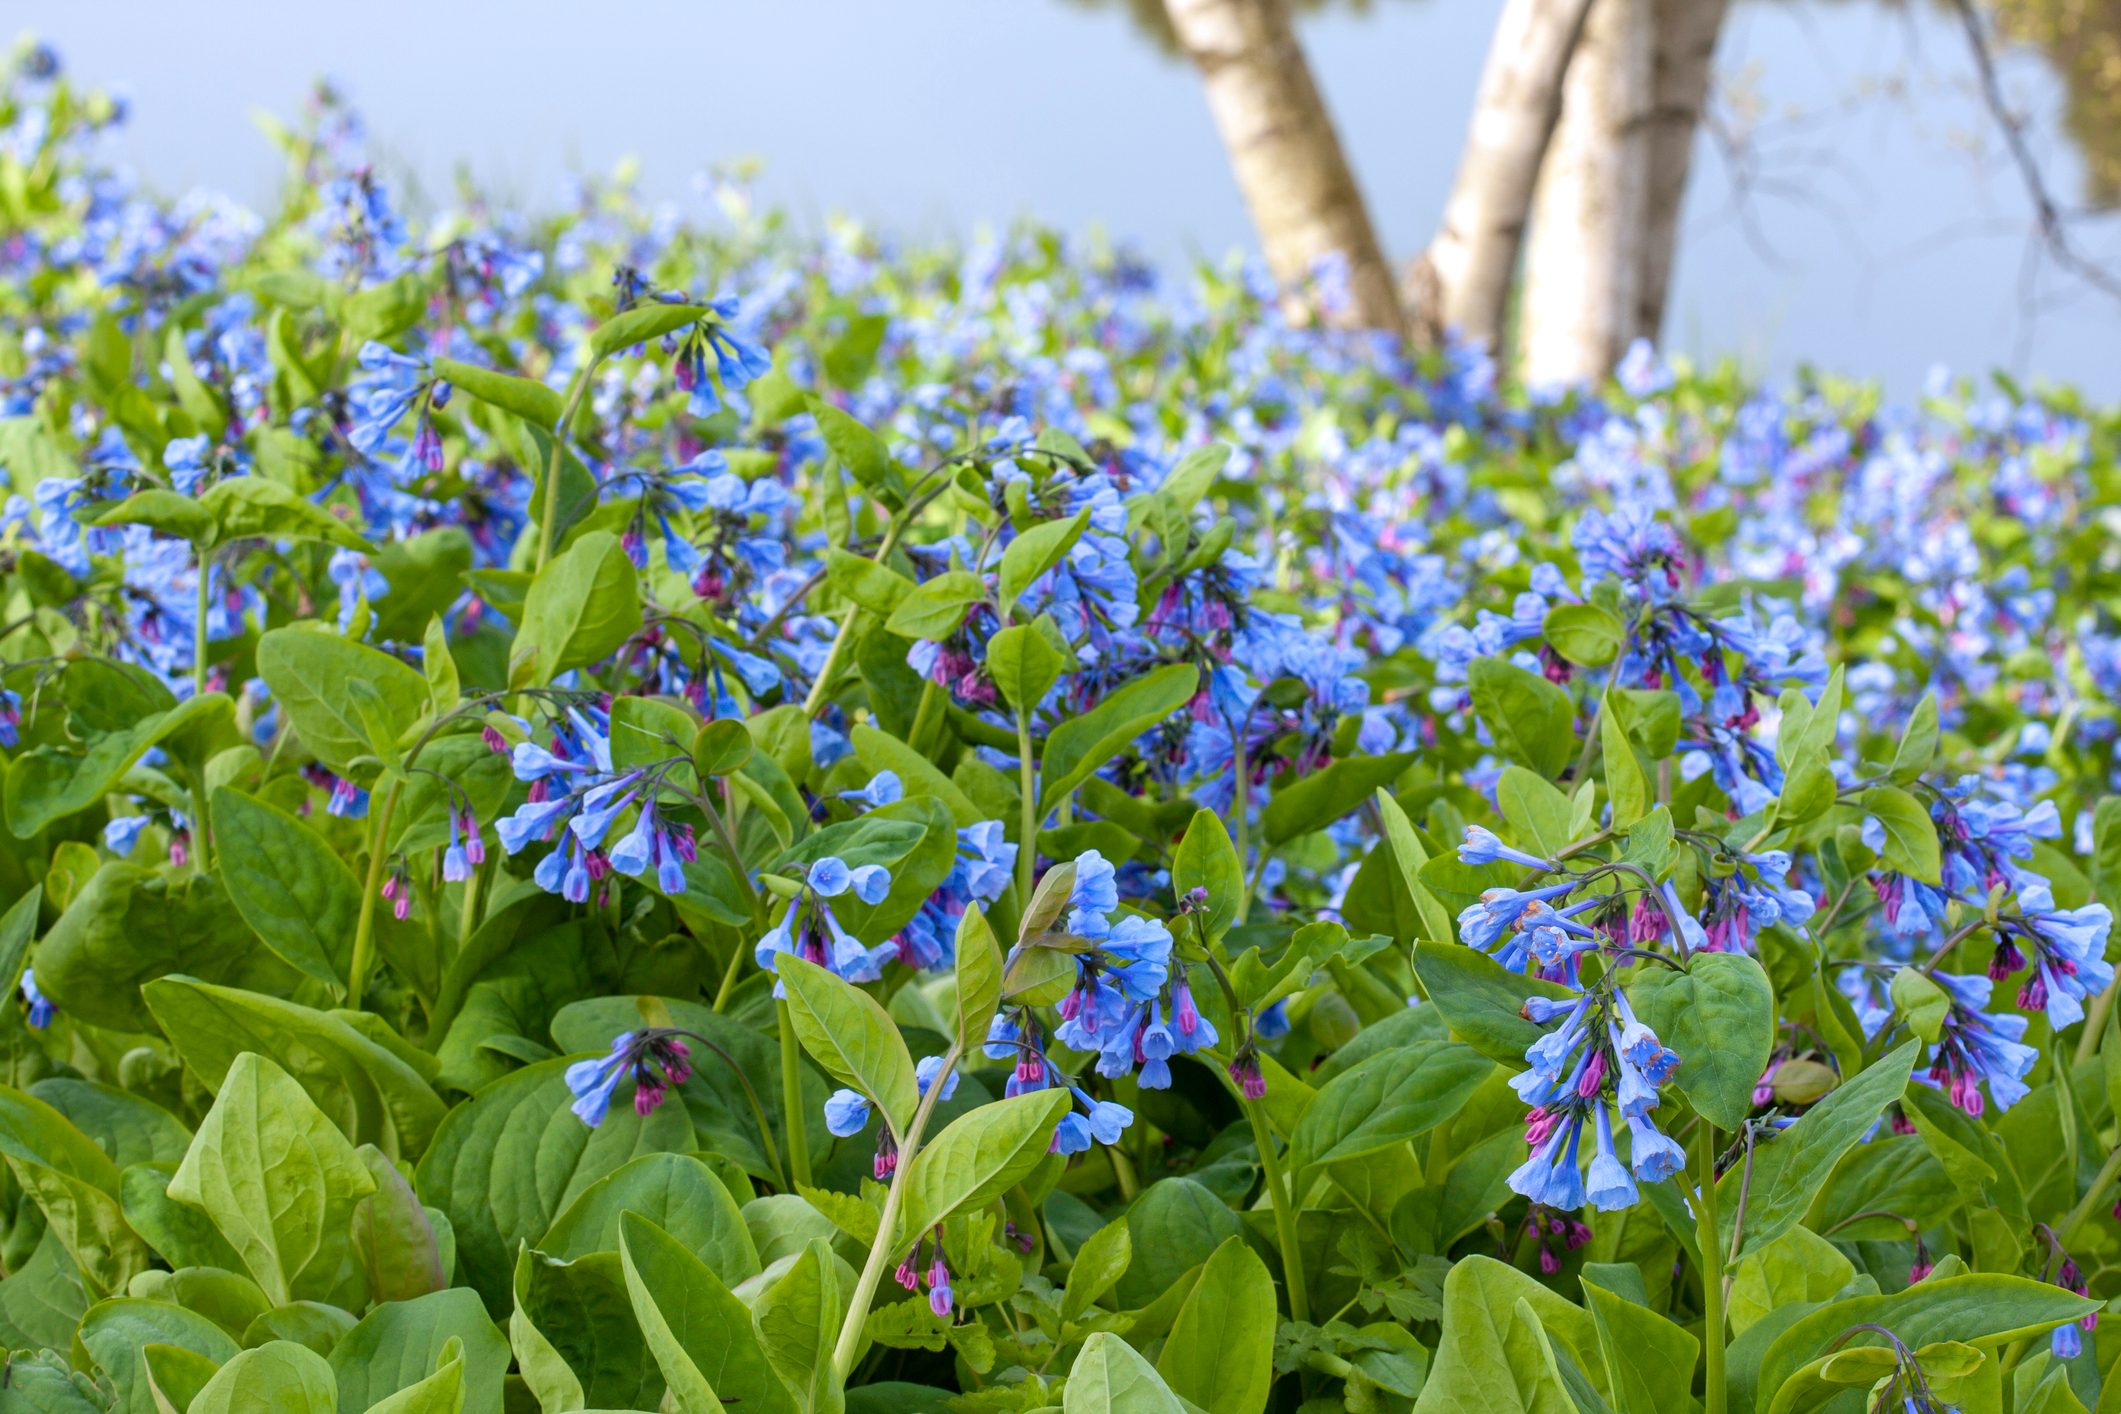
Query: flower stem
x=1709 y=1238
x=886 y=1242
x=2090 y=1200
x=823 y=685
x=1027 y=832
x=198 y=640
x=364 y=931
x=1292 y=1267
x=792 y=1097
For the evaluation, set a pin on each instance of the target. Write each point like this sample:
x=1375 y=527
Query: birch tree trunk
x=1284 y=150
x=1463 y=281
x=1679 y=89
x=1581 y=297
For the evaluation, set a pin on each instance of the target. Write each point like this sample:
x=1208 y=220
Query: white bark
x=1463 y=281
x=1284 y=151
x=1580 y=302
x=1679 y=89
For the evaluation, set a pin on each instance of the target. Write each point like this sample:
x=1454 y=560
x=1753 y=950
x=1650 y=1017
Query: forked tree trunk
x=1463 y=280
x=1679 y=89
x=1581 y=296
x=1284 y=150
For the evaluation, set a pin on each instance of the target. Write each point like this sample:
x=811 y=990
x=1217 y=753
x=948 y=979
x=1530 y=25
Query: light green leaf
x=981 y=1155
x=580 y=609
x=1219 y=1354
x=1205 y=859
x=395 y=1346
x=1035 y=551
x=294 y=890
x=1533 y=721
x=979 y=977
x=1081 y=745
x=279 y=1377
x=851 y=1036
x=1587 y=634
x=700 y=1334
x=1719 y=1015
x=1315 y=800
x=525 y=397
x=1910 y=834
x=1387 y=1100
x=308 y=669
x=679 y=1194
x=1110 y=1377
x=797 y=1320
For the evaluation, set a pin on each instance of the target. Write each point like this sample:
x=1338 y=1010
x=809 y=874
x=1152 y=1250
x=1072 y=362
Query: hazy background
x=1856 y=214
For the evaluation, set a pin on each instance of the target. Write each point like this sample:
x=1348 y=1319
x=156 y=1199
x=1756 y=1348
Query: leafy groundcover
x=622 y=810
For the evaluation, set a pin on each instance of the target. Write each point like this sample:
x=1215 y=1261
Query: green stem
x=1292 y=1267
x=1243 y=806
x=723 y=993
x=364 y=931
x=818 y=689
x=1710 y=1239
x=792 y=1097
x=198 y=634
x=2095 y=1022
x=1027 y=831
x=468 y=920
x=549 y=512
x=886 y=1242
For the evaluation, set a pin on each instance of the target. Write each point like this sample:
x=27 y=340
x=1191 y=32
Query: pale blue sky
x=1884 y=233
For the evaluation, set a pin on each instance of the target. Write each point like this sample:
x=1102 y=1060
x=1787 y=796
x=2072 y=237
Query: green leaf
x=580 y=609
x=506 y=1162
x=1587 y=634
x=276 y=1177
x=1409 y=854
x=721 y=747
x=679 y=1194
x=525 y=397
x=1501 y=1333
x=254 y=508
x=575 y=1338
x=1316 y=799
x=642 y=324
x=1533 y=721
x=1080 y=746
x=1481 y=999
x=279 y=1377
x=395 y=1346
x=1719 y=1015
x=851 y=1036
x=1099 y=1263
x=859 y=450
x=937 y=606
x=1205 y=859
x=440 y=1393
x=1174 y=1226
x=394 y=1237
x=878 y=750
x=979 y=977
x=1910 y=834
x=1918 y=742
x=1220 y=1352
x=1110 y=1377
x=876 y=587
x=1798 y=1267
x=45 y=784
x=700 y=1334
x=1649 y=1361
x=797 y=1320
x=1626 y=783
x=371 y=1094
x=981 y=1155
x=308 y=669
x=1034 y=552
x=76 y=1186
x=1025 y=662
x=291 y=888
x=1387 y=1100
x=1788 y=1173
x=169 y=512
x=1921 y=1003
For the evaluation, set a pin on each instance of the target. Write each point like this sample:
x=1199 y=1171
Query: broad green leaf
x=797 y=1320
x=1205 y=859
x=575 y=1338
x=580 y=609
x=395 y=1346
x=277 y=1178
x=1532 y=721
x=937 y=606
x=291 y=888
x=1315 y=800
x=1110 y=1377
x=255 y=508
x=308 y=669
x=509 y=1160
x=1487 y=1361
x=1625 y=781
x=859 y=450
x=1409 y=854
x=45 y=784
x=525 y=397
x=1535 y=809
x=1719 y=1015
x=1918 y=742
x=1789 y=1171
x=1799 y=1266
x=1481 y=999
x=370 y=1093
x=679 y=1194
x=642 y=324
x=77 y=1187
x=700 y=1334
x=440 y=1393
x=1219 y=1354
x=393 y=1236
x=1921 y=1003
x=1099 y=1263
x=979 y=977
x=1386 y=1101
x=1025 y=662
x=851 y=1036
x=878 y=750
x=113 y=1333
x=1587 y=634
x=981 y=1155
x=877 y=588
x=1173 y=1226
x=279 y=1377
x=1034 y=552
x=1649 y=1361
x=1080 y=746
x=1910 y=834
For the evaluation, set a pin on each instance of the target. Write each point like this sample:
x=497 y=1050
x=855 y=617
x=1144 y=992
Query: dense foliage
x=613 y=812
